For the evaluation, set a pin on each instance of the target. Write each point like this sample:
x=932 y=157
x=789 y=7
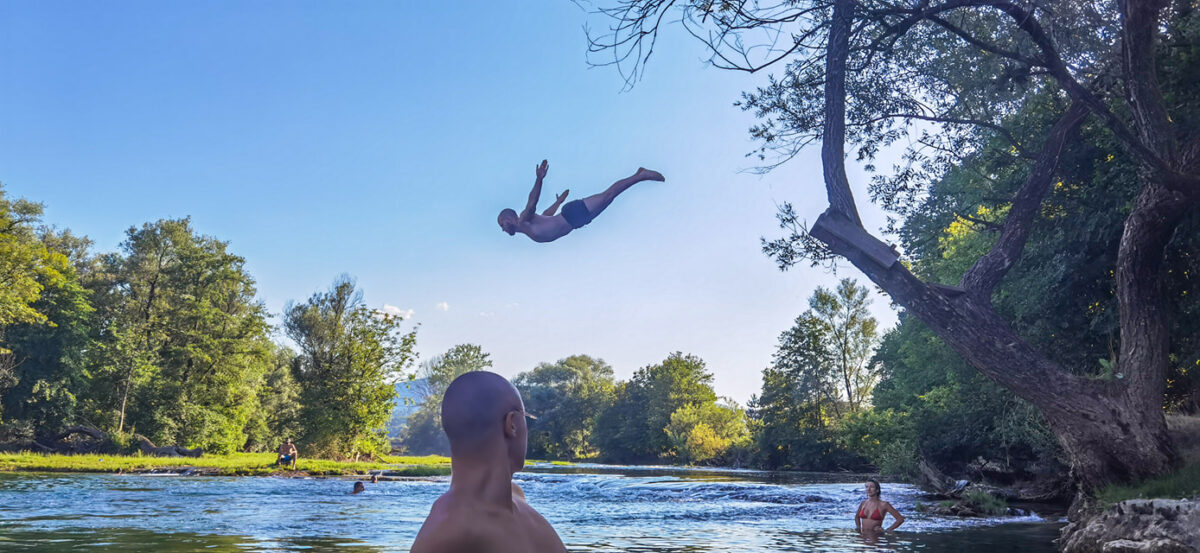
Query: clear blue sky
x=380 y=139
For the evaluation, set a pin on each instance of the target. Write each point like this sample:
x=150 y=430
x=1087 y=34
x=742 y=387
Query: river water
x=594 y=508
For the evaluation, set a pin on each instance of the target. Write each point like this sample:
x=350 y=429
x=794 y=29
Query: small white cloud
x=513 y=305
x=402 y=313
x=486 y=314
x=443 y=306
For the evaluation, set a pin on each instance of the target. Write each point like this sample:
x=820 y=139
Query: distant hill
x=408 y=399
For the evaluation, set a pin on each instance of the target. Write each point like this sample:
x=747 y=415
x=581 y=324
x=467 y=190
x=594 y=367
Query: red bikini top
x=877 y=515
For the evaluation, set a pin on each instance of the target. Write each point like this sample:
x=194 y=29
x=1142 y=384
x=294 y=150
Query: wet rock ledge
x=1137 y=526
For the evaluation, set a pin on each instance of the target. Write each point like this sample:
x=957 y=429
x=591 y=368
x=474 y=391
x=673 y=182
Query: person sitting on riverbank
x=869 y=517
x=287 y=454
x=484 y=510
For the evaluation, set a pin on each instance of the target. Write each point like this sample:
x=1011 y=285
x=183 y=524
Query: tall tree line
x=666 y=412
x=165 y=338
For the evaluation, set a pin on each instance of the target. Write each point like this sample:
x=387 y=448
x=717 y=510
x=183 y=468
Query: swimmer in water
x=869 y=517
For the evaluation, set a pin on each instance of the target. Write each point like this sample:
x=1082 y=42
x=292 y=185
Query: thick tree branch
x=1140 y=24
x=984 y=45
x=1028 y=22
x=893 y=32
x=988 y=270
x=1145 y=339
x=958 y=121
x=833 y=154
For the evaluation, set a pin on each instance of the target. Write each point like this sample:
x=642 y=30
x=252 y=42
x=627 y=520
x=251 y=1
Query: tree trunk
x=124 y=400
x=1109 y=439
x=1112 y=430
x=1109 y=433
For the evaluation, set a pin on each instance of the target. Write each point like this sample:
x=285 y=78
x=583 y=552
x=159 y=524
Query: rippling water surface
x=594 y=508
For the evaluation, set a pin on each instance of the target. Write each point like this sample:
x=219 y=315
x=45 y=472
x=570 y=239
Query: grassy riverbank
x=236 y=464
x=1181 y=484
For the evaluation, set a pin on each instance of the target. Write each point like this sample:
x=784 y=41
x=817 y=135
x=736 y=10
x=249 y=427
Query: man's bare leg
x=597 y=202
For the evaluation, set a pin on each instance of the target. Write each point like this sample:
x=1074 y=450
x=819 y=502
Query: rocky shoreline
x=1136 y=526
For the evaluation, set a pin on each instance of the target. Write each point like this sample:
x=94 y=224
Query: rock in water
x=1137 y=526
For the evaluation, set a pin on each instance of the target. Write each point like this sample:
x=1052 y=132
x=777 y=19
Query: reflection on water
x=128 y=540
x=594 y=508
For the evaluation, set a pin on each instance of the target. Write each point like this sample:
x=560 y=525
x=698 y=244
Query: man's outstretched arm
x=534 y=194
x=558 y=200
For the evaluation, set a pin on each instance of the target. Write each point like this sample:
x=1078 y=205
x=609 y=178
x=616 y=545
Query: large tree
x=633 y=427
x=566 y=397
x=45 y=318
x=349 y=360
x=49 y=357
x=702 y=432
x=951 y=74
x=820 y=373
x=183 y=340
x=847 y=332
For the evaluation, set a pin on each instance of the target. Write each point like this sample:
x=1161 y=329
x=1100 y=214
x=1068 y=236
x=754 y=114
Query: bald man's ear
x=510 y=423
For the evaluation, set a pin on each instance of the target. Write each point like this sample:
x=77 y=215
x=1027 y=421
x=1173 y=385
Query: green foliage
x=701 y=432
x=47 y=358
x=848 y=333
x=820 y=375
x=423 y=433
x=937 y=406
x=235 y=464
x=985 y=503
x=277 y=415
x=349 y=358
x=567 y=397
x=1181 y=484
x=886 y=437
x=632 y=429
x=26 y=264
x=36 y=283
x=183 y=340
x=165 y=338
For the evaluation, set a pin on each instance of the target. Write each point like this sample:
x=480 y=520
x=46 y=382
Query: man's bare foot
x=646 y=174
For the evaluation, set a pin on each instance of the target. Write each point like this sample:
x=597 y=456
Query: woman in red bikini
x=869 y=518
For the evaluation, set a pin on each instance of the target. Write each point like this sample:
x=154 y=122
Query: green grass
x=986 y=503
x=1181 y=484
x=551 y=463
x=235 y=464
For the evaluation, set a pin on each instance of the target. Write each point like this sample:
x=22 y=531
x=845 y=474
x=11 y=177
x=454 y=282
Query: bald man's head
x=481 y=412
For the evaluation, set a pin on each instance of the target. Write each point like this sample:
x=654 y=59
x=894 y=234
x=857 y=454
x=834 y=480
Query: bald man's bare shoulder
x=456 y=526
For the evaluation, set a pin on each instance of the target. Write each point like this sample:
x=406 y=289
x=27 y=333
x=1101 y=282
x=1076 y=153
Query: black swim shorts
x=576 y=213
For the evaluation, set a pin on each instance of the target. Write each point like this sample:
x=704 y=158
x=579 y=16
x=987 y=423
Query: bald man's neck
x=483 y=478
